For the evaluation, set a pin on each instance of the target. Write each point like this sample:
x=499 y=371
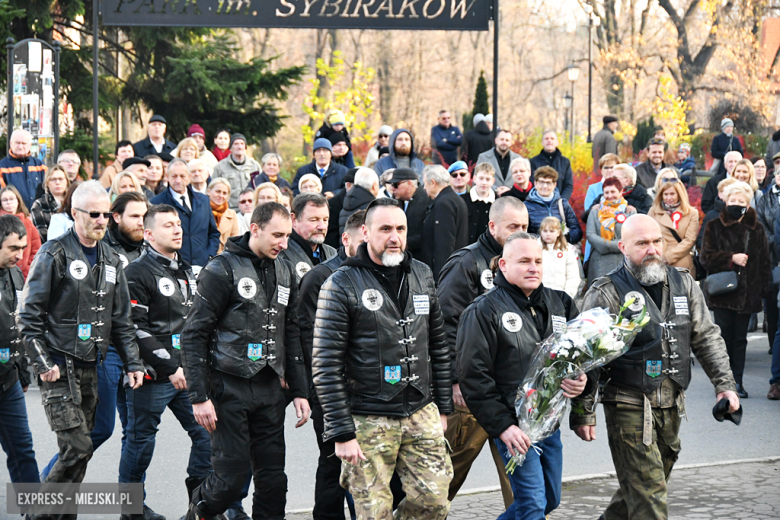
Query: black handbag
x=727 y=281
x=700 y=271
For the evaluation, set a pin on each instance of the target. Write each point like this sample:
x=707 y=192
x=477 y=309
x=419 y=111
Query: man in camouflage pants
x=381 y=368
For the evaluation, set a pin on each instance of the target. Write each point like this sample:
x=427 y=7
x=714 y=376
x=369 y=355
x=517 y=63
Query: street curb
x=596 y=476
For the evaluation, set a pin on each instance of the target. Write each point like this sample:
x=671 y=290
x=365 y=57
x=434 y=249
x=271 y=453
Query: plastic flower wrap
x=591 y=340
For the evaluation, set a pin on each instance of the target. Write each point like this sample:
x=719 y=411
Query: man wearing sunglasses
x=445 y=139
x=460 y=176
x=75 y=303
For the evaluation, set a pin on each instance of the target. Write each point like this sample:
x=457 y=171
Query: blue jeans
x=145 y=406
x=536 y=484
x=776 y=358
x=111 y=398
x=15 y=436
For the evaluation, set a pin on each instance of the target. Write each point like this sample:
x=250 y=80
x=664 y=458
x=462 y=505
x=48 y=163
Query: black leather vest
x=388 y=348
x=250 y=333
x=662 y=349
x=482 y=257
x=78 y=321
x=11 y=349
x=169 y=309
x=300 y=261
x=125 y=256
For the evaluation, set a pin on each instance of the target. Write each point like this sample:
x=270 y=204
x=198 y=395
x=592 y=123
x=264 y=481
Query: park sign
x=463 y=15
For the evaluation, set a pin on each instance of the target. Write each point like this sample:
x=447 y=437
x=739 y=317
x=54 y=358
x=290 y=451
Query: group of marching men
x=389 y=363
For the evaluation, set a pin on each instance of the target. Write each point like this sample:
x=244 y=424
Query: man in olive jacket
x=643 y=390
x=381 y=369
x=74 y=303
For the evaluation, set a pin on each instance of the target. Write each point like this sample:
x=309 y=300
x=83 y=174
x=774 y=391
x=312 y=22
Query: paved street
x=703 y=439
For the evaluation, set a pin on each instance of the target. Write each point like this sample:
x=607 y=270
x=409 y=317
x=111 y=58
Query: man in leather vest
x=497 y=339
x=643 y=390
x=75 y=303
x=240 y=340
x=466 y=275
x=381 y=369
x=162 y=288
x=328 y=493
x=15 y=436
x=306 y=247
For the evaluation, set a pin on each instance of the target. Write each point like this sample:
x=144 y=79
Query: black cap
x=135 y=160
x=157 y=118
x=350 y=176
x=609 y=119
x=165 y=156
x=721 y=412
x=384 y=150
x=337 y=137
x=402 y=174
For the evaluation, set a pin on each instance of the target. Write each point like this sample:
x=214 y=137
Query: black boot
x=237 y=513
x=194 y=513
x=741 y=392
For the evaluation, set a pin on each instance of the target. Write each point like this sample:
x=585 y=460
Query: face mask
x=736 y=212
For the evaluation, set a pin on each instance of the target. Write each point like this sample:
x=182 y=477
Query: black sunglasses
x=95 y=214
x=383 y=135
x=459 y=174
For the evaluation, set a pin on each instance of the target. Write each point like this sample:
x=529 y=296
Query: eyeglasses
x=95 y=214
x=247 y=201
x=69 y=161
x=672 y=180
x=541 y=182
x=605 y=167
x=461 y=173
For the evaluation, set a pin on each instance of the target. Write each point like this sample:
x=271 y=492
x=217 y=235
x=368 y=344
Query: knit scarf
x=608 y=216
x=218 y=210
x=670 y=208
x=219 y=153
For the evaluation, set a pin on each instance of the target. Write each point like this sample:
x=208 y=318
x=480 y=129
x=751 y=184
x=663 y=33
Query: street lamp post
x=593 y=21
x=567 y=99
x=574 y=73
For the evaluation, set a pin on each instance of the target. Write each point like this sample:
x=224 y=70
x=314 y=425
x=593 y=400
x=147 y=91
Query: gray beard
x=317 y=240
x=648 y=273
x=392 y=259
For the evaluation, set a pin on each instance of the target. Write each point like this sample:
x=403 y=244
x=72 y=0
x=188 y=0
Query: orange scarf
x=218 y=211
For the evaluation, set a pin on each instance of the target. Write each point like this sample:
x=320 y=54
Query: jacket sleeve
x=34 y=239
x=590 y=196
x=457 y=139
x=767 y=220
x=477 y=340
x=709 y=195
x=439 y=352
x=457 y=289
x=712 y=257
x=573 y=223
x=331 y=339
x=717 y=150
x=680 y=250
x=445 y=234
x=567 y=187
x=140 y=290
x=214 y=286
x=42 y=280
x=706 y=341
x=598 y=243
x=611 y=145
x=307 y=310
x=294 y=372
x=214 y=235
x=122 y=330
x=572 y=273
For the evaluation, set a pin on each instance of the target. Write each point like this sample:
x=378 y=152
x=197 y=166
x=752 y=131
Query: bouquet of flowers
x=592 y=339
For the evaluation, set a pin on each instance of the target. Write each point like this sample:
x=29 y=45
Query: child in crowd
x=559 y=258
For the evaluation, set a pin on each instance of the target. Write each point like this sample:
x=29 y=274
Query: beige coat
x=228 y=227
x=678 y=254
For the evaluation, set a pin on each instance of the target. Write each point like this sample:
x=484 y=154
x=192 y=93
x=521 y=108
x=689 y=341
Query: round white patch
x=639 y=301
x=78 y=269
x=372 y=299
x=512 y=321
x=166 y=287
x=487 y=279
x=247 y=288
x=302 y=268
x=124 y=260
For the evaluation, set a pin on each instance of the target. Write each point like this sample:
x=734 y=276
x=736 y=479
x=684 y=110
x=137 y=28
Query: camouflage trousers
x=642 y=471
x=70 y=403
x=466 y=438
x=414 y=447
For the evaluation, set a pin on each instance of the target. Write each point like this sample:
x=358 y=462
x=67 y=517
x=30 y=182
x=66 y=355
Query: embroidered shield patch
x=85 y=331
x=176 y=341
x=255 y=351
x=393 y=374
x=653 y=368
x=5 y=355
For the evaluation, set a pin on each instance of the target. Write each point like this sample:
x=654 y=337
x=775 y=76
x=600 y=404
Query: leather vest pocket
x=364 y=380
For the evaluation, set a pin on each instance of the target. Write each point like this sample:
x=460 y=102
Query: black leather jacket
x=161 y=294
x=497 y=339
x=12 y=358
x=465 y=276
x=243 y=320
x=300 y=255
x=72 y=309
x=767 y=208
x=126 y=250
x=372 y=357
